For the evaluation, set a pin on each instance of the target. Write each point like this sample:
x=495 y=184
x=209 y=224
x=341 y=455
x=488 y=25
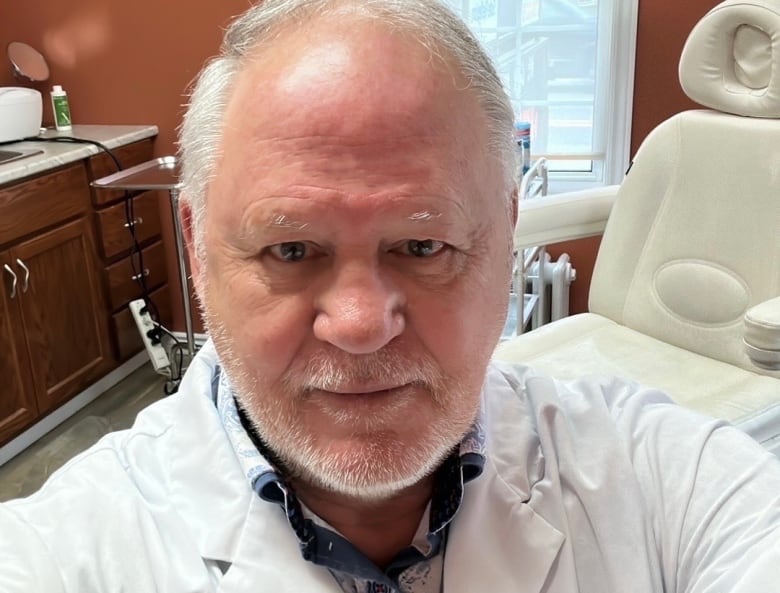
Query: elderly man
x=349 y=206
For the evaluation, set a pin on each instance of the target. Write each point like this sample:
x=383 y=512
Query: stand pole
x=185 y=284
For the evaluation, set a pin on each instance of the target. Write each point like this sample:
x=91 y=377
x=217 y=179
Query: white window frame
x=613 y=101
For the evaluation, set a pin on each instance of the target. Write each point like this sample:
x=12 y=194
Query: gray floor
x=114 y=410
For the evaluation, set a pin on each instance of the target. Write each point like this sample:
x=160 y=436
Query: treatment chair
x=685 y=295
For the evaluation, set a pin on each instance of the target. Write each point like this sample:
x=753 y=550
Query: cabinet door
x=63 y=313
x=18 y=408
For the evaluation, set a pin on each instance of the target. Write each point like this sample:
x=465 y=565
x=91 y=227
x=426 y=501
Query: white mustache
x=332 y=372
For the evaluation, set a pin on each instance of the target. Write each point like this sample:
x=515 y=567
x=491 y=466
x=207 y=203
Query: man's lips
x=383 y=404
x=362 y=390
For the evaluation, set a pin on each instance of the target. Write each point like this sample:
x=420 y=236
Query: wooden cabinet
x=18 y=408
x=122 y=276
x=114 y=223
x=41 y=202
x=69 y=266
x=127 y=258
x=61 y=309
x=54 y=332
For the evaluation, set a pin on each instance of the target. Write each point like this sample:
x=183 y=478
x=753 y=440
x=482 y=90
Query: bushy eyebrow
x=284 y=222
x=281 y=222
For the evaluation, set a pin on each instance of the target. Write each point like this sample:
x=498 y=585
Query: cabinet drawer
x=123 y=287
x=42 y=202
x=127 y=339
x=115 y=238
x=102 y=165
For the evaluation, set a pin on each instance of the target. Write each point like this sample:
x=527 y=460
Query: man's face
x=357 y=242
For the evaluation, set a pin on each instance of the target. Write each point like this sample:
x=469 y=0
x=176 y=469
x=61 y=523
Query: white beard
x=379 y=466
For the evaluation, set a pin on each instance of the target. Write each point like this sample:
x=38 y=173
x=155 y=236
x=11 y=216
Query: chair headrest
x=731 y=60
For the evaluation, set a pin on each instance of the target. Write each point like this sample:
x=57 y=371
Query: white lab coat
x=584 y=489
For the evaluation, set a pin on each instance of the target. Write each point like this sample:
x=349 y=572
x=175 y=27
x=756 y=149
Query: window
x=568 y=67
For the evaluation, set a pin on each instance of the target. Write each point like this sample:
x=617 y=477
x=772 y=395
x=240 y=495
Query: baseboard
x=58 y=416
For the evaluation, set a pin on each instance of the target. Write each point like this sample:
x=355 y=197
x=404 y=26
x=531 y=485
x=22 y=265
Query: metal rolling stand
x=160 y=174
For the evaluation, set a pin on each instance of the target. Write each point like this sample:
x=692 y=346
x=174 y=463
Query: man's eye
x=423 y=248
x=290 y=252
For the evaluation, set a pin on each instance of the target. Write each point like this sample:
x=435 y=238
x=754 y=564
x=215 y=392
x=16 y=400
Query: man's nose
x=360 y=311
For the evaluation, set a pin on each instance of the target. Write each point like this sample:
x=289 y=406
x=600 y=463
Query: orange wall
x=663 y=28
x=130 y=62
x=121 y=63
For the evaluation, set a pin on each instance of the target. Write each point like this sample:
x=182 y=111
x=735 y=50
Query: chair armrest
x=563 y=217
x=762 y=334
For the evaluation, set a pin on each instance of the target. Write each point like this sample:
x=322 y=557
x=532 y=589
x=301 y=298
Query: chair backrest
x=694 y=236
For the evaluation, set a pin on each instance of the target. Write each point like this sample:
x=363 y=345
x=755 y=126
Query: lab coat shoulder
x=113 y=514
x=633 y=480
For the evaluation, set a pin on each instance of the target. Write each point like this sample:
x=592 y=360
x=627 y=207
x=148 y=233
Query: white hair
x=430 y=22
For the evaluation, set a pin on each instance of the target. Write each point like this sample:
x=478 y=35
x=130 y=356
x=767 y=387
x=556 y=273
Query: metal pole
x=185 y=285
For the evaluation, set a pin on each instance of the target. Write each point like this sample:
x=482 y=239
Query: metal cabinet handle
x=26 y=281
x=134 y=222
x=13 y=276
x=142 y=275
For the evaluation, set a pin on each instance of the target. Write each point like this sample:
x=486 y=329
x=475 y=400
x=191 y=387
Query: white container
x=21 y=113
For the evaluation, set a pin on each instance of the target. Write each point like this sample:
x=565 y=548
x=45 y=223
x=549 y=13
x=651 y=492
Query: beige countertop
x=56 y=154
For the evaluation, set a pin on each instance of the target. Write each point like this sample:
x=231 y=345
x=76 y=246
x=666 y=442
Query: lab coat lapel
x=497 y=543
x=268 y=559
x=229 y=523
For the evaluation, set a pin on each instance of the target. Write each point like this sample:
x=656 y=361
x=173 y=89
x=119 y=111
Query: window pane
x=545 y=52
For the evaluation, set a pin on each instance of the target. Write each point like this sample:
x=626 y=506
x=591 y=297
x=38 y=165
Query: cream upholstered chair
x=687 y=277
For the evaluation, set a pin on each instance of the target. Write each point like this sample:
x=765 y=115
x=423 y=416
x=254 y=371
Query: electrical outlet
x=145 y=325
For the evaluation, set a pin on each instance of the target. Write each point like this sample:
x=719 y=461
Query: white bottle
x=59 y=104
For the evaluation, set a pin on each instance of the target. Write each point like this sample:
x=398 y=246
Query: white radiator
x=543 y=284
x=546 y=296
x=557 y=277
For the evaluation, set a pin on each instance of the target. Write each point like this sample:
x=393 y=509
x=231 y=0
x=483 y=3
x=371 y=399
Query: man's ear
x=188 y=232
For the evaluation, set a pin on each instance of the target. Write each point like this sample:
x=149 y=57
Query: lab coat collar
x=268 y=559
x=207 y=481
